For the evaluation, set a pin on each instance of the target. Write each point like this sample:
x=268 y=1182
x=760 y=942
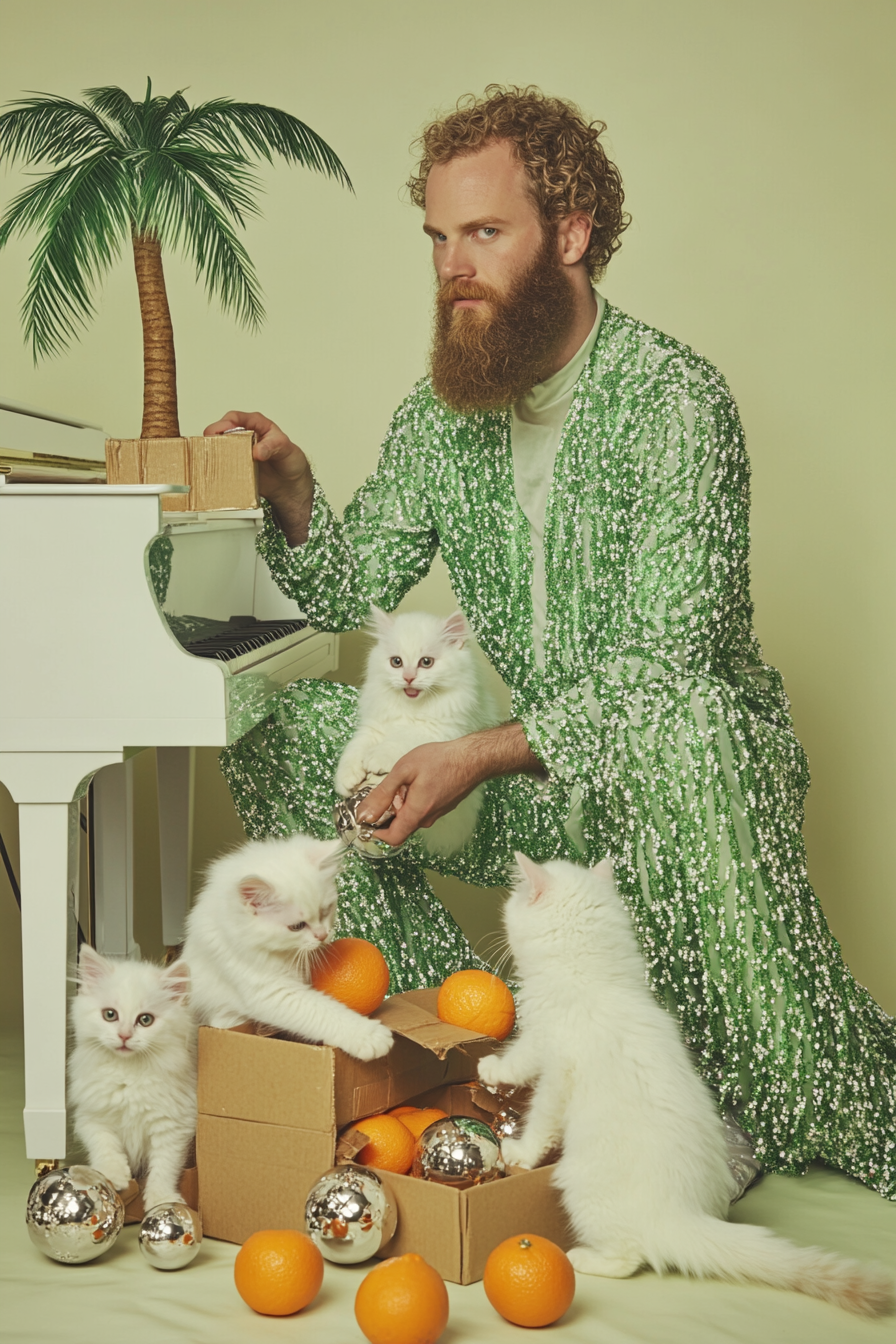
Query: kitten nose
x=409 y=676
x=322 y=936
x=125 y=1035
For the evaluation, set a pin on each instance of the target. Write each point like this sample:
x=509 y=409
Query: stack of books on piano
x=39 y=447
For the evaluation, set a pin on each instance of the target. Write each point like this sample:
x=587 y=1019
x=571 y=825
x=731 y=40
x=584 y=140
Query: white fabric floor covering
x=120 y=1299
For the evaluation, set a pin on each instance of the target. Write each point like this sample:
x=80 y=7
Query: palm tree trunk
x=159 y=372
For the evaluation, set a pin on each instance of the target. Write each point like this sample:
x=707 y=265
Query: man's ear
x=455 y=630
x=533 y=874
x=257 y=893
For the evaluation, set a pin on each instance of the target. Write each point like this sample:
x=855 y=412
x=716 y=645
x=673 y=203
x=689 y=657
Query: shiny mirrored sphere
x=348 y=1214
x=459 y=1152
x=73 y=1215
x=170 y=1236
x=358 y=835
x=505 y=1123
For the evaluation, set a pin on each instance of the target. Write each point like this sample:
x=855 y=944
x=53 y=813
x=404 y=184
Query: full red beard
x=486 y=359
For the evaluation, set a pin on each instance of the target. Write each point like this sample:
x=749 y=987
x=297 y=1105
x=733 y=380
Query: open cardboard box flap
x=413 y=1015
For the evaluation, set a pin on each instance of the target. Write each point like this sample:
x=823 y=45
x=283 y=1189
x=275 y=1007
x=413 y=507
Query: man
x=586 y=480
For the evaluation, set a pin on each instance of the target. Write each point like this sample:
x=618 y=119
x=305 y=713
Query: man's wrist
x=503 y=750
x=291 y=510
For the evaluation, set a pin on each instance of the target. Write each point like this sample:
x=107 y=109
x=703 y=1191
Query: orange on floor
x=419 y=1121
x=352 y=971
x=403 y=1301
x=391 y=1146
x=529 y=1280
x=399 y=1111
x=278 y=1272
x=478 y=1001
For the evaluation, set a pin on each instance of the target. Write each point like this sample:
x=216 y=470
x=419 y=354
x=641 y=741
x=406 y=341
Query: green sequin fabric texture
x=667 y=739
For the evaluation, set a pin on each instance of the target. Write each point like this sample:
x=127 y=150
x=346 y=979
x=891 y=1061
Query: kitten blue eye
x=145 y=1020
x=396 y=662
x=297 y=928
x=426 y=662
x=110 y=1015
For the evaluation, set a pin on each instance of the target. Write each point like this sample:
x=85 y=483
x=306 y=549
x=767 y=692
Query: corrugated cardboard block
x=219 y=469
x=151 y=462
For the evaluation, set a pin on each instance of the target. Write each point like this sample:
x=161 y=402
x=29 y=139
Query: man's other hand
x=431 y=780
x=284 y=476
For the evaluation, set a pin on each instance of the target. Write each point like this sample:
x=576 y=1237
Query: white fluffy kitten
x=132 y=1072
x=422 y=685
x=644 y=1175
x=264 y=910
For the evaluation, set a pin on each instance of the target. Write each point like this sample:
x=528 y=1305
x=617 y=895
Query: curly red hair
x=566 y=165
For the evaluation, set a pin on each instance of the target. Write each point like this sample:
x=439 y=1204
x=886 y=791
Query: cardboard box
x=270 y=1113
x=219 y=470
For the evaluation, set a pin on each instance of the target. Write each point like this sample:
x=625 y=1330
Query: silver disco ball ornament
x=74 y=1214
x=505 y=1124
x=358 y=835
x=459 y=1152
x=348 y=1215
x=170 y=1236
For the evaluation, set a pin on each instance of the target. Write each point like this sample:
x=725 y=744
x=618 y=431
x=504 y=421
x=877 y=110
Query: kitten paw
x=375 y=1042
x=348 y=778
x=623 y=1265
x=154 y=1195
x=118 y=1172
x=494 y=1072
x=518 y=1153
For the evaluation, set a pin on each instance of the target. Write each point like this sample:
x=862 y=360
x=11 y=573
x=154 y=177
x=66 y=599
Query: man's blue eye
x=489 y=230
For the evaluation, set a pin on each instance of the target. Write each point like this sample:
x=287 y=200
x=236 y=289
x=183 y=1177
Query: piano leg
x=44 y=856
x=113 y=798
x=175 y=766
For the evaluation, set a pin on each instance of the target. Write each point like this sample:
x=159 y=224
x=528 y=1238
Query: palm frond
x=84 y=212
x=264 y=130
x=52 y=130
x=227 y=178
x=119 y=107
x=187 y=216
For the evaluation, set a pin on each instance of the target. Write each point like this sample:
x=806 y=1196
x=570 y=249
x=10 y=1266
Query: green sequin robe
x=667 y=738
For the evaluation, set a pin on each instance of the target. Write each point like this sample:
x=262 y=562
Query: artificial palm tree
x=158 y=174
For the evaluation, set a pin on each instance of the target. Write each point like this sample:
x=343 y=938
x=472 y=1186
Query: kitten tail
x=740 y=1252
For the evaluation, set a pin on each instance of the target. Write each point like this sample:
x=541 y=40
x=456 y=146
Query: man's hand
x=284 y=476
x=431 y=780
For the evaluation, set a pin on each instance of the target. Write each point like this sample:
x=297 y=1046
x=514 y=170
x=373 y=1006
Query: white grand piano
x=94 y=669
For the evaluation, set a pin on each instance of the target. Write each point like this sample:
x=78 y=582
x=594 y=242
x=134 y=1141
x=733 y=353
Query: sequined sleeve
x=384 y=545
x=685 y=600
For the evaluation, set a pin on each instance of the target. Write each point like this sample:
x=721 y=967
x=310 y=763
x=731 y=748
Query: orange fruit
x=352 y=971
x=399 y=1111
x=478 y=1001
x=391 y=1146
x=418 y=1122
x=403 y=1301
x=529 y=1280
x=278 y=1272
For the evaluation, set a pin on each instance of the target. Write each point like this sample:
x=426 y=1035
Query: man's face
x=505 y=304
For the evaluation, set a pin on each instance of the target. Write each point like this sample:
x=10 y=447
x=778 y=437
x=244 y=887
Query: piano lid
x=43 y=444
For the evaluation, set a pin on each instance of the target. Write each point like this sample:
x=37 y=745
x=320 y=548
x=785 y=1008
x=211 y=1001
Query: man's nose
x=456 y=263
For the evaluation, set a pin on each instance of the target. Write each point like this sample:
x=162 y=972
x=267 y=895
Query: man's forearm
x=502 y=751
x=292 y=512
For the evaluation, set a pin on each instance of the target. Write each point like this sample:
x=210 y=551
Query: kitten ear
x=176 y=980
x=91 y=966
x=380 y=621
x=532 y=873
x=328 y=854
x=604 y=870
x=257 y=893
x=455 y=631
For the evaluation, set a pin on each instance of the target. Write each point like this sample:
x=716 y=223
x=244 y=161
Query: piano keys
x=93 y=671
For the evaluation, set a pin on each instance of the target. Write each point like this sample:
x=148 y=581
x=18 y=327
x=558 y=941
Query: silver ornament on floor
x=170 y=1235
x=74 y=1214
x=358 y=835
x=348 y=1214
x=505 y=1123
x=459 y=1152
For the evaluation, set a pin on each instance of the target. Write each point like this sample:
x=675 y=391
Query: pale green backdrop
x=755 y=142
